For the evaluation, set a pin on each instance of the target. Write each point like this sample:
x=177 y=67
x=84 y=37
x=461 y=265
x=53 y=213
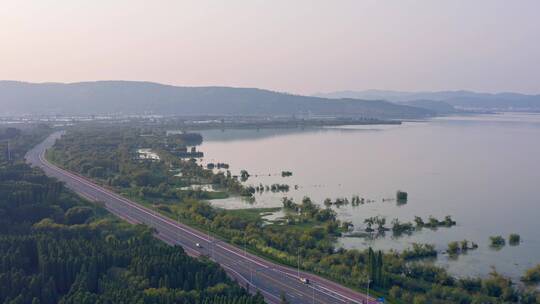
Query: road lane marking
x=236 y=273
x=120 y=199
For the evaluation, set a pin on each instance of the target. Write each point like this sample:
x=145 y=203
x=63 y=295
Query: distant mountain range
x=129 y=97
x=458 y=99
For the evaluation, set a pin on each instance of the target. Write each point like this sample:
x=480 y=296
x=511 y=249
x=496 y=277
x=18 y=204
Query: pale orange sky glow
x=303 y=46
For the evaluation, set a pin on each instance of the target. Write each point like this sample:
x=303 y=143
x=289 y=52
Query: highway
x=269 y=278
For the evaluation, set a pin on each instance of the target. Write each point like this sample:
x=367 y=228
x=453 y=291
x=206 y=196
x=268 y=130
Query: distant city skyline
x=302 y=47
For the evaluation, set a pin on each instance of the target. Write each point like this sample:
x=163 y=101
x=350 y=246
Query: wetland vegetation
x=532 y=275
x=455 y=248
x=514 y=239
x=307 y=229
x=57 y=248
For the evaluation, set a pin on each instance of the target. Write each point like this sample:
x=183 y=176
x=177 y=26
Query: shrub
x=514 y=239
x=532 y=275
x=78 y=215
x=497 y=241
x=401 y=195
x=453 y=247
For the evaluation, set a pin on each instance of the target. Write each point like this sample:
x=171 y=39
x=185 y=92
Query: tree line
x=309 y=232
x=57 y=248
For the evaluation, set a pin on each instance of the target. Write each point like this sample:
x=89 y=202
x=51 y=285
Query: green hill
x=128 y=97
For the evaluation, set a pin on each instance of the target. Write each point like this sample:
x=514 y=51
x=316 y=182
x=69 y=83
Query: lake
x=482 y=170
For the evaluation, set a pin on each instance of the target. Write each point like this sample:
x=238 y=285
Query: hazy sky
x=301 y=46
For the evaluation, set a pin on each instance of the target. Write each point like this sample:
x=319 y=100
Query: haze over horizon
x=265 y=152
x=305 y=47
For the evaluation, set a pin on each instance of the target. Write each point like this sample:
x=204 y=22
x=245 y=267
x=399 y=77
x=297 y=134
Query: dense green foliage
x=57 y=248
x=14 y=142
x=532 y=275
x=308 y=231
x=113 y=160
x=497 y=241
x=514 y=239
x=286 y=173
x=455 y=247
x=401 y=195
x=419 y=251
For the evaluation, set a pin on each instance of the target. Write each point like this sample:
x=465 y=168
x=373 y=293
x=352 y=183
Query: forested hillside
x=462 y=99
x=57 y=248
x=131 y=97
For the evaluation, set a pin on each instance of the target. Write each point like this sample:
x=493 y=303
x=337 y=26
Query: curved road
x=269 y=278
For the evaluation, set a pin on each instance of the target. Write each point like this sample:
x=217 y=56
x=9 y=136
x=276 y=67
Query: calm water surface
x=484 y=171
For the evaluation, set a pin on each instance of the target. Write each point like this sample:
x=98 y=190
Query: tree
x=514 y=239
x=78 y=215
x=532 y=275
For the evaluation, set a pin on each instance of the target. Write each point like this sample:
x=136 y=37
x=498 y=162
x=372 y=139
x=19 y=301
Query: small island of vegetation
x=307 y=233
x=286 y=173
x=455 y=248
x=514 y=239
x=497 y=241
x=401 y=196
